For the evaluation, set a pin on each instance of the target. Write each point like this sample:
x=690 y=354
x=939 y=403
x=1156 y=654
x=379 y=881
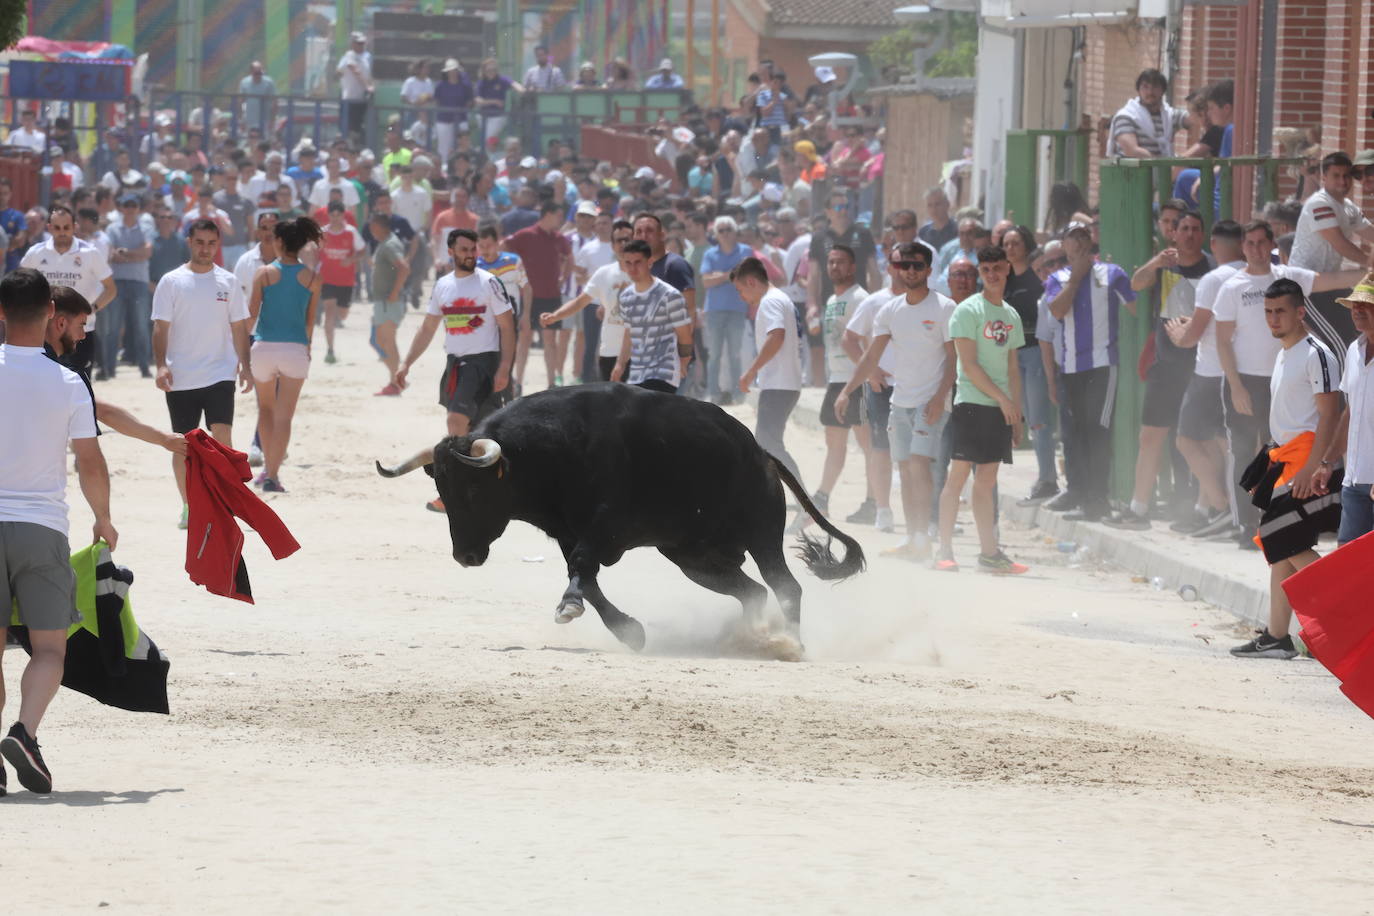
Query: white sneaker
x=254 y=456
x=882 y=520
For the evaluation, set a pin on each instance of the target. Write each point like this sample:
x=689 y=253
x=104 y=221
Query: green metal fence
x=1127 y=196
x=1021 y=192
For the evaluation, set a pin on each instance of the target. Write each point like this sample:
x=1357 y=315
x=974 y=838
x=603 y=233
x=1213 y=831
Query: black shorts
x=1165 y=384
x=215 y=401
x=540 y=306
x=1200 y=417
x=979 y=434
x=879 y=408
x=342 y=295
x=466 y=385
x=853 y=414
x=606 y=364
x=658 y=384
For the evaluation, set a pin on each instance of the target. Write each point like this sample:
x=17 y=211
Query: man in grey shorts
x=43 y=406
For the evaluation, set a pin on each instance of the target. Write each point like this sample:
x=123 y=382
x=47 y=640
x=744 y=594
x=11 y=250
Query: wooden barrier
x=21 y=168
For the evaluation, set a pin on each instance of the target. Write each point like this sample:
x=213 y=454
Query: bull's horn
x=419 y=460
x=485 y=453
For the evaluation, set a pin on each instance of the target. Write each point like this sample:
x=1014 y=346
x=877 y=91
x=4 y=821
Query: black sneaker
x=1087 y=514
x=1129 y=521
x=1043 y=490
x=1190 y=524
x=21 y=750
x=1246 y=541
x=1266 y=646
x=866 y=514
x=822 y=501
x=1063 y=502
x=1218 y=523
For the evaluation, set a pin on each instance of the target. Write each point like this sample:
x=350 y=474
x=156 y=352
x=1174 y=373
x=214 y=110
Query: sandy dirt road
x=386 y=730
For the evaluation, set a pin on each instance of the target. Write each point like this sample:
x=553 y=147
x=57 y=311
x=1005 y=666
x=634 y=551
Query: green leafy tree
x=957 y=58
x=12 y=22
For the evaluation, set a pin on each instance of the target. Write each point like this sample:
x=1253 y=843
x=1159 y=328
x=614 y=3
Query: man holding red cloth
x=1289 y=481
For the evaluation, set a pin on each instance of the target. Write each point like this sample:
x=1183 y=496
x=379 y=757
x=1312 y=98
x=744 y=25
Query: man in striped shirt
x=1144 y=127
x=1086 y=297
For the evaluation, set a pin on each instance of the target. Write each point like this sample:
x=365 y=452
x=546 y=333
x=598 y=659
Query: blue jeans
x=724 y=338
x=127 y=318
x=1035 y=402
x=1357 y=512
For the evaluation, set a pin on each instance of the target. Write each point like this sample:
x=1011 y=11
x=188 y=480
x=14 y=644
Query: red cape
x=1334 y=601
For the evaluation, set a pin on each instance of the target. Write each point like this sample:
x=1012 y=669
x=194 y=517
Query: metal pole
x=715 y=52
x=690 y=34
x=1269 y=32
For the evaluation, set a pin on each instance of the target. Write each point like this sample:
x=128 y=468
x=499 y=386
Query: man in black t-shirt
x=1173 y=274
x=839 y=231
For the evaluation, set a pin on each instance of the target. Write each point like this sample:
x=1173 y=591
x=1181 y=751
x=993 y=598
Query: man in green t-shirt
x=986 y=421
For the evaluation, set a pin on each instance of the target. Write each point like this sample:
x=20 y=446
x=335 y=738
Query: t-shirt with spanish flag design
x=468 y=307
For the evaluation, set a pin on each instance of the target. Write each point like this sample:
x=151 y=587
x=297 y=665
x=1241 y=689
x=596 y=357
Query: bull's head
x=470 y=475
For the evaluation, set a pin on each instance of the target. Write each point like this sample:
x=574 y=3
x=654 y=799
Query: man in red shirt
x=547 y=255
x=457 y=216
x=341 y=250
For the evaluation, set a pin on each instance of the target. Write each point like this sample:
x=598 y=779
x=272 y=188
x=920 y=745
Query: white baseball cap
x=587 y=208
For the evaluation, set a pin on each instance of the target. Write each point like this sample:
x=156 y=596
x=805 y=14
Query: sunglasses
x=911 y=265
x=904 y=227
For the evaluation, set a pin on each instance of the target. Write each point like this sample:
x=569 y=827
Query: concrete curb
x=1172 y=561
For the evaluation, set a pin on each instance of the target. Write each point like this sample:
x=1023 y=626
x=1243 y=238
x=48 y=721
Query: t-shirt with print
x=51 y=405
x=839 y=310
x=652 y=317
x=1322 y=211
x=782 y=372
x=1176 y=291
x=604 y=286
x=1301 y=371
x=1241 y=299
x=995 y=329
x=1208 y=363
x=81 y=266
x=386 y=264
x=469 y=306
x=1090 y=328
x=510 y=270
x=918 y=335
x=200 y=342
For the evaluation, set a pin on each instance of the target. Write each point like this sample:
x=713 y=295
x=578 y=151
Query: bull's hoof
x=568 y=611
x=630 y=632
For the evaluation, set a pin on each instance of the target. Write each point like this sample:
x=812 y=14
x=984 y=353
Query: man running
x=777 y=367
x=479 y=338
x=547 y=256
x=43 y=407
x=657 y=346
x=389 y=273
x=341 y=251
x=916 y=327
x=200 y=344
x=986 y=422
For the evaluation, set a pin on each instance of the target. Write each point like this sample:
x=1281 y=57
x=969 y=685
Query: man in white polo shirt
x=1247 y=349
x=68 y=261
x=1354 y=437
x=1290 y=482
x=52 y=407
x=1330 y=230
x=915 y=327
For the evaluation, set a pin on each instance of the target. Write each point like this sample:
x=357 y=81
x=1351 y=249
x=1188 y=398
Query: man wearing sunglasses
x=914 y=328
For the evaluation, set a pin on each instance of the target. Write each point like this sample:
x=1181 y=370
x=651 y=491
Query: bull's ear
x=429 y=469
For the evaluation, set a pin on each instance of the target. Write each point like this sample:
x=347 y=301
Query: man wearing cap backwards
x=130 y=249
x=1289 y=482
x=665 y=78
x=355 y=83
x=1354 y=438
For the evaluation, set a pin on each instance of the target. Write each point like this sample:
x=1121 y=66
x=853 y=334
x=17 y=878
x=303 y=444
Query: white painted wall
x=992 y=118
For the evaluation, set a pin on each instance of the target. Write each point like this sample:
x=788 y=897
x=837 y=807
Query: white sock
x=1203 y=510
x=1138 y=507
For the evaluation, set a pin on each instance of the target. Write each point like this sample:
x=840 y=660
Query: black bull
x=606 y=468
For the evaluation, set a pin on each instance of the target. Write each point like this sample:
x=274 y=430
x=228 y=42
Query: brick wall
x=1207 y=52
x=1113 y=58
x=1306 y=42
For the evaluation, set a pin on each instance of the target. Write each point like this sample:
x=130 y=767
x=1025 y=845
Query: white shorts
x=271 y=359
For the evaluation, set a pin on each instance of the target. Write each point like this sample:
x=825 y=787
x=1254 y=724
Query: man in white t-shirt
x=27 y=133
x=777 y=367
x=43 y=407
x=1201 y=424
x=1290 y=482
x=479 y=336
x=1329 y=231
x=1247 y=349
x=200 y=343
x=913 y=329
x=67 y=261
x=603 y=287
x=592 y=250
x=834 y=317
x=334 y=180
x=1355 y=437
x=355 y=83
x=416 y=206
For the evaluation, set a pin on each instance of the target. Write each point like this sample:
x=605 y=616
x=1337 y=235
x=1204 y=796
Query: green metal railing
x=1022 y=188
x=1128 y=193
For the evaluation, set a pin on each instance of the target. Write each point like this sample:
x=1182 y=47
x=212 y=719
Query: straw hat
x=1362 y=294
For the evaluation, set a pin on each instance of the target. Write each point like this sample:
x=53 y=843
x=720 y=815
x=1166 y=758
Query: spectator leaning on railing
x=1330 y=231
x=1144 y=127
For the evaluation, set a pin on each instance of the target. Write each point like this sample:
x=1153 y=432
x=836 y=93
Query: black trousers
x=1089 y=397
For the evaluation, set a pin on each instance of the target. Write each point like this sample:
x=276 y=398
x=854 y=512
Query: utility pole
x=715 y=52
x=691 y=44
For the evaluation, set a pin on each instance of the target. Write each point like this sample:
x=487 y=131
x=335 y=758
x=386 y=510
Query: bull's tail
x=814 y=552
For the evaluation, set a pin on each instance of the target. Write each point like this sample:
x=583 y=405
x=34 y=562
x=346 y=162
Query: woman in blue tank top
x=285 y=298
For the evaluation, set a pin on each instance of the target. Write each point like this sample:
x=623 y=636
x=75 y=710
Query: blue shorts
x=910 y=436
x=1357 y=512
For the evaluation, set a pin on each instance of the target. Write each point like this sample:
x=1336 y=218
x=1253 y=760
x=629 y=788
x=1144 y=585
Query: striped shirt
x=1089 y=339
x=510 y=270
x=652 y=318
